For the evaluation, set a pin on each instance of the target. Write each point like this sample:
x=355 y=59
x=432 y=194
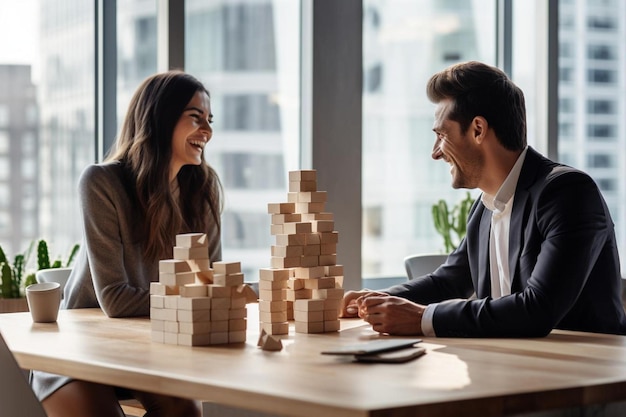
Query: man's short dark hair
x=477 y=89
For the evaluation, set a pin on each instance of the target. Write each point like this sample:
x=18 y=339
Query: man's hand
x=391 y=315
x=349 y=306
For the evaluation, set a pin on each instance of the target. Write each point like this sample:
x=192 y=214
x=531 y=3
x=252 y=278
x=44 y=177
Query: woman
x=154 y=185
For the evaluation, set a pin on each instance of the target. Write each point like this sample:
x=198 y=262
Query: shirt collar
x=507 y=189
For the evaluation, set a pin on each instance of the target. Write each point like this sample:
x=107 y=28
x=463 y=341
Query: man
x=540 y=250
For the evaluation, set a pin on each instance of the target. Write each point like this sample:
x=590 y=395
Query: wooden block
x=269 y=274
x=333 y=270
x=198 y=252
x=309 y=261
x=328 y=260
x=177 y=279
x=230 y=280
x=220 y=303
x=275 y=328
x=276 y=229
x=331 y=326
x=196 y=339
x=312 y=239
x=308 y=197
x=272 y=285
x=170 y=338
x=309 y=327
x=170 y=302
x=321 y=226
x=308 y=315
x=192 y=240
x=173 y=266
x=157 y=325
x=157 y=288
x=294 y=228
x=307 y=217
x=194 y=303
x=272 y=306
x=308 y=305
x=272 y=295
x=330 y=304
x=219 y=326
x=235 y=325
x=292 y=295
x=295 y=283
x=313 y=272
x=218 y=291
x=219 y=338
x=157 y=301
x=220 y=314
x=311 y=250
x=329 y=237
x=286 y=218
x=328 y=293
x=339 y=281
x=280 y=262
x=199 y=265
x=204 y=277
x=226 y=268
x=164 y=314
x=170 y=326
x=269 y=342
x=189 y=316
x=245 y=291
x=237 y=302
x=193 y=290
x=319 y=283
x=194 y=327
x=310 y=207
x=275 y=317
x=290 y=310
x=237 y=337
x=298 y=239
x=297 y=186
x=237 y=313
x=303 y=175
x=288 y=251
x=328 y=249
x=281 y=208
x=331 y=314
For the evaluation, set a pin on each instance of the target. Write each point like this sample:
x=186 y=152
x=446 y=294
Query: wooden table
x=469 y=377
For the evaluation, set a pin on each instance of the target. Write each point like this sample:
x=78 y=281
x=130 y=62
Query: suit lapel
x=484 y=274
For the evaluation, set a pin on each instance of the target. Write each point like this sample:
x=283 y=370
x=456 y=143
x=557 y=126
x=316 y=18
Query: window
x=601 y=76
x=595 y=160
x=252 y=112
x=601 y=106
x=601 y=22
x=601 y=52
x=600 y=131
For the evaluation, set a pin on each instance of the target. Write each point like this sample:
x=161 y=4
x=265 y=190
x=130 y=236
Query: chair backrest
x=59 y=275
x=423 y=263
x=17 y=399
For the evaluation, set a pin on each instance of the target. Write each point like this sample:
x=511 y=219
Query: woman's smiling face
x=191 y=133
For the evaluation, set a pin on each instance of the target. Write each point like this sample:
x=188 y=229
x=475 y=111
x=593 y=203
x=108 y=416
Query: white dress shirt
x=500 y=205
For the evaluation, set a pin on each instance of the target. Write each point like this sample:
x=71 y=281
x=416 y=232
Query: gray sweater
x=110 y=271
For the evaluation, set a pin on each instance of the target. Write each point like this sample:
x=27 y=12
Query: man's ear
x=478 y=128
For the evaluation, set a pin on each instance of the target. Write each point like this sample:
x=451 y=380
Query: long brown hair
x=144 y=147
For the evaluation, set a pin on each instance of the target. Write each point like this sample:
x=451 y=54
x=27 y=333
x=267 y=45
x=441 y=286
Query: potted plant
x=14 y=279
x=448 y=222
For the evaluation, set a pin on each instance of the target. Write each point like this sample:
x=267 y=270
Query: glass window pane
x=598 y=145
x=47 y=93
x=404 y=43
x=246 y=54
x=136 y=48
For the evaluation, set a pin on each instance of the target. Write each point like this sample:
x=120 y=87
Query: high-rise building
x=19 y=170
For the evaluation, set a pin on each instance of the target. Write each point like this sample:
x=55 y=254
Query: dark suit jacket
x=563 y=261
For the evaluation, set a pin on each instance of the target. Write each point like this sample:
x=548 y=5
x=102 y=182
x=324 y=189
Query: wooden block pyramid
x=194 y=304
x=304 y=282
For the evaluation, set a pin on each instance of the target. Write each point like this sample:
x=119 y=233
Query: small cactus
x=447 y=221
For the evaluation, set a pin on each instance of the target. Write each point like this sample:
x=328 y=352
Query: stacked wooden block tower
x=194 y=304
x=304 y=282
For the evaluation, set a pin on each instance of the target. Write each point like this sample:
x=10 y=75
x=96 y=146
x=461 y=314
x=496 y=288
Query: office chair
x=17 y=399
x=423 y=263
